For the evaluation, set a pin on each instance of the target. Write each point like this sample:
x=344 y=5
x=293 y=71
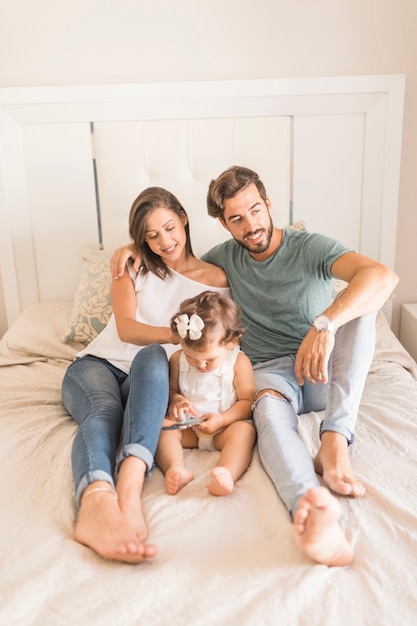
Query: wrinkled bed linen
x=223 y=561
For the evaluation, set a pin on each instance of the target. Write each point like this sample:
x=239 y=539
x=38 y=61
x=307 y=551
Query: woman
x=119 y=383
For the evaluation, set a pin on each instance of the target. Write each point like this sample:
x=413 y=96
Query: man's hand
x=120 y=258
x=313 y=356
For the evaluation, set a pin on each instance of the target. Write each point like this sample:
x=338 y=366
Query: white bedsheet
x=223 y=561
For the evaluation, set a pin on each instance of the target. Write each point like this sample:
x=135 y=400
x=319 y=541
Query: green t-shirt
x=279 y=297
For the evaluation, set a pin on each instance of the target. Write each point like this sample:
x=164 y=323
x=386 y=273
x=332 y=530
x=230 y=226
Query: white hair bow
x=193 y=325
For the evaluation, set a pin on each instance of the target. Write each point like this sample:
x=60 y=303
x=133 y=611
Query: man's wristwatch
x=322 y=323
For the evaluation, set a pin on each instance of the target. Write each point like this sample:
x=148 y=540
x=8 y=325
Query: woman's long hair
x=150 y=199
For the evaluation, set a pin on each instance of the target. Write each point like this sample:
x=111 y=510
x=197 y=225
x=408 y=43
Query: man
x=309 y=352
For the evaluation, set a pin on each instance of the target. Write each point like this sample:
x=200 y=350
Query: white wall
x=116 y=41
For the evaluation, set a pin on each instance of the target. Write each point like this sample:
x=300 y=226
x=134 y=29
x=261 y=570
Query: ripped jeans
x=281 y=449
x=110 y=407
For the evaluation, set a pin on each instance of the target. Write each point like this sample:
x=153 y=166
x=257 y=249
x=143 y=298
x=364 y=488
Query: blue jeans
x=115 y=411
x=281 y=449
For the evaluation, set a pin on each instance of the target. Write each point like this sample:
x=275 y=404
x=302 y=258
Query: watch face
x=323 y=323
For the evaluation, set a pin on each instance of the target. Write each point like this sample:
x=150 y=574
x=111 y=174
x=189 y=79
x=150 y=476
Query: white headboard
x=327 y=149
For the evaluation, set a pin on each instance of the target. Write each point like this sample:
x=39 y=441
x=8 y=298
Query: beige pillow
x=300 y=225
x=37 y=335
x=91 y=307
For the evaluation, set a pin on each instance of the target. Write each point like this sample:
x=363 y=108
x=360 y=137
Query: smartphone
x=187 y=423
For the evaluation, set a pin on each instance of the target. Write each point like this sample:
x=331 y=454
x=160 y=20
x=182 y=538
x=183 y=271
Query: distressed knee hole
x=271 y=393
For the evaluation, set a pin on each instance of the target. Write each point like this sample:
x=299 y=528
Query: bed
x=222 y=561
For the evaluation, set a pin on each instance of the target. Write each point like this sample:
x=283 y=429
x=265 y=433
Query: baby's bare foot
x=221 y=482
x=176 y=477
x=317 y=529
x=102 y=526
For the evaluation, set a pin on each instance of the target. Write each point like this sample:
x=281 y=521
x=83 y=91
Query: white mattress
x=222 y=561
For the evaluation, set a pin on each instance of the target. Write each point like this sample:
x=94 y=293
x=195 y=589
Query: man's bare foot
x=221 y=481
x=333 y=463
x=102 y=526
x=176 y=477
x=317 y=529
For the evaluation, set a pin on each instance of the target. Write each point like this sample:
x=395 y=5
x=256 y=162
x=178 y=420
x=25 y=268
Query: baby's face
x=206 y=359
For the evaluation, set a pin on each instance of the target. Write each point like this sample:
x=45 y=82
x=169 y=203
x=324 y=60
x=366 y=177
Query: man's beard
x=260 y=247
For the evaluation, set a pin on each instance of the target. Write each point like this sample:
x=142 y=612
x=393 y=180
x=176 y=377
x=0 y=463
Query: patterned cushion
x=91 y=308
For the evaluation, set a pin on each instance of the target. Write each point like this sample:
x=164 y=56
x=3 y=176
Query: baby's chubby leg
x=170 y=457
x=236 y=443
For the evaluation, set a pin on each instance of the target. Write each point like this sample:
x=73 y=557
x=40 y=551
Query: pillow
x=91 y=307
x=37 y=335
x=300 y=225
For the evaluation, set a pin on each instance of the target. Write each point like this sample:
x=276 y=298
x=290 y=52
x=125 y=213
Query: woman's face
x=165 y=234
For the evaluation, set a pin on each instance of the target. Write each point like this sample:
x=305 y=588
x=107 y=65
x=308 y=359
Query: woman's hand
x=174 y=338
x=121 y=256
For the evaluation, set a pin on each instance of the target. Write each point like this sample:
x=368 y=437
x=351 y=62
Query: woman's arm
x=123 y=300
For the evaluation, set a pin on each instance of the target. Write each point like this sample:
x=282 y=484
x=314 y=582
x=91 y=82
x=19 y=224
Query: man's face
x=248 y=219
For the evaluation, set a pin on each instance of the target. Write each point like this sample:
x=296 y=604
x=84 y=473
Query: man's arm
x=370 y=284
x=121 y=256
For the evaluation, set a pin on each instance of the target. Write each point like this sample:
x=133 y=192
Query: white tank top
x=209 y=392
x=157 y=300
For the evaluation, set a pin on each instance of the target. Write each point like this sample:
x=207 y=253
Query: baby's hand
x=212 y=422
x=179 y=408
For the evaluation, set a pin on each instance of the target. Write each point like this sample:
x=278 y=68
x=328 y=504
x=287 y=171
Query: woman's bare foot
x=102 y=526
x=129 y=490
x=221 y=482
x=317 y=529
x=333 y=463
x=133 y=516
x=176 y=477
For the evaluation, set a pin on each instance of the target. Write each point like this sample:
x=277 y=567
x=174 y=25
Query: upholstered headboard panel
x=328 y=151
x=183 y=156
